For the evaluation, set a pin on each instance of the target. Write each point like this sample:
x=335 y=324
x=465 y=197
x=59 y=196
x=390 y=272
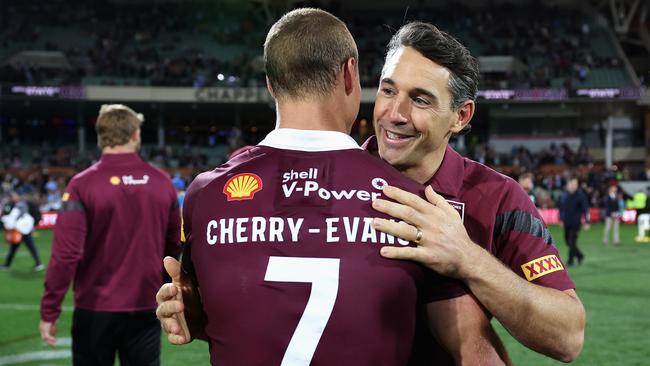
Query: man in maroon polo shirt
x=280 y=238
x=479 y=226
x=120 y=217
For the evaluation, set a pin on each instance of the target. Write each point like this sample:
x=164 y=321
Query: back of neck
x=310 y=115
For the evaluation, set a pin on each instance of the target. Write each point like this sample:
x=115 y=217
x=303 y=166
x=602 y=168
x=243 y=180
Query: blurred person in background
x=614 y=206
x=179 y=185
x=573 y=207
x=19 y=225
x=526 y=182
x=118 y=220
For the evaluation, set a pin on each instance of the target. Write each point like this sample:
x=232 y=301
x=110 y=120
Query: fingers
x=171 y=326
x=173 y=268
x=177 y=339
x=438 y=200
x=169 y=308
x=398 y=210
x=405 y=253
x=405 y=198
x=168 y=291
x=397 y=229
x=48 y=332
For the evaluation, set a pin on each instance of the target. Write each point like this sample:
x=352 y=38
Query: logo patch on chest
x=460 y=207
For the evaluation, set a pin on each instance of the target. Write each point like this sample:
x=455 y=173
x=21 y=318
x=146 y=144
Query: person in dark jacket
x=573 y=206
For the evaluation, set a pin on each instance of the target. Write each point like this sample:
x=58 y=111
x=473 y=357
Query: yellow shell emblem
x=115 y=180
x=242 y=187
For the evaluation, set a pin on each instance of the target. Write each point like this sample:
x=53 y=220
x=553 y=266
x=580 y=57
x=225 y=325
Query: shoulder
x=497 y=188
x=156 y=172
x=224 y=171
x=79 y=179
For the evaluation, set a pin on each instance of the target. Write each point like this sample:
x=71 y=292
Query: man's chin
x=391 y=156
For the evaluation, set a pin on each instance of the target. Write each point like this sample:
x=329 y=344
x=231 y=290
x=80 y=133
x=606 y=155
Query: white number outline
x=323 y=274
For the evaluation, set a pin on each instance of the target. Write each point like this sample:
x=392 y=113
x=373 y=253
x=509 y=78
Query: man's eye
x=387 y=91
x=421 y=101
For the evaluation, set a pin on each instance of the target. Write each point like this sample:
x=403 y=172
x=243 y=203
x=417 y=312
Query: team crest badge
x=115 y=180
x=242 y=187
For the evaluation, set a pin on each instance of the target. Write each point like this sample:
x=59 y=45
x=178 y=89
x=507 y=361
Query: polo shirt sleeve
x=524 y=242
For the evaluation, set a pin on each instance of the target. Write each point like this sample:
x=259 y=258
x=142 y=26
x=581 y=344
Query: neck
x=311 y=115
x=120 y=149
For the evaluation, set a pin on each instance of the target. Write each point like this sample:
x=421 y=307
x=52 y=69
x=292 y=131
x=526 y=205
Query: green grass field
x=613 y=283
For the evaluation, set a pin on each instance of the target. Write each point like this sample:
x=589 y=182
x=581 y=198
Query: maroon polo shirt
x=500 y=217
x=119 y=219
x=288 y=263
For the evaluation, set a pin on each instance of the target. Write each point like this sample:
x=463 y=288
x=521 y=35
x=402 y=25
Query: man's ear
x=350 y=75
x=269 y=87
x=136 y=135
x=464 y=115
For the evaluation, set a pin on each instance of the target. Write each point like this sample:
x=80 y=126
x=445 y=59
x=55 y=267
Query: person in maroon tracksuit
x=119 y=218
x=281 y=239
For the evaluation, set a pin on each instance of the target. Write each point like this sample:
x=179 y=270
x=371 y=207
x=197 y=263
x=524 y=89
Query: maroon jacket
x=288 y=263
x=120 y=217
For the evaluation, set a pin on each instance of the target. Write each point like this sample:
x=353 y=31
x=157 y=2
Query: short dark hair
x=443 y=49
x=304 y=51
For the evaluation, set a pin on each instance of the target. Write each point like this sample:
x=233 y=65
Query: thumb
x=173 y=268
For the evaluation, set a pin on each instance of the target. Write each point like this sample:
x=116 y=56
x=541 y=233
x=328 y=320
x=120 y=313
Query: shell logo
x=242 y=187
x=115 y=180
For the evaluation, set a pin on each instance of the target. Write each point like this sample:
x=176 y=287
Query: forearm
x=463 y=329
x=546 y=320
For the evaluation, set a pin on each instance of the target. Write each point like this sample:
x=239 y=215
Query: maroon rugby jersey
x=500 y=217
x=119 y=218
x=288 y=263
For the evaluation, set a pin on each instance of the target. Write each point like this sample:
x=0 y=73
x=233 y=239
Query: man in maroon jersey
x=120 y=217
x=478 y=220
x=280 y=239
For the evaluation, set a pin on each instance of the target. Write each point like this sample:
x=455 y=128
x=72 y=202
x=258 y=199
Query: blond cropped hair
x=116 y=124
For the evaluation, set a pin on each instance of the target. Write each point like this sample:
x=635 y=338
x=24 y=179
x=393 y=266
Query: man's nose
x=399 y=110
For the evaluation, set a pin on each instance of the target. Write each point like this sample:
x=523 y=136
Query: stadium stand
x=198 y=45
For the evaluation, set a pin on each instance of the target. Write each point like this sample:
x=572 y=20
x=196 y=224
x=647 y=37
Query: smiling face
x=413 y=118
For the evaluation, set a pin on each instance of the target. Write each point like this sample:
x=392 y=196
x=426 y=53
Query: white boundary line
x=35 y=356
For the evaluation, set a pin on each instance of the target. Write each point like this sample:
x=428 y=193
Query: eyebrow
x=419 y=91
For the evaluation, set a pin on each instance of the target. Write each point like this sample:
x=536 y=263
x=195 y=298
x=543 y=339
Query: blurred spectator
x=614 y=207
x=21 y=224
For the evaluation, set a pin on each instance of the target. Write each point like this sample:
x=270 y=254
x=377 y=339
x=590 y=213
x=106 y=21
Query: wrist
x=469 y=265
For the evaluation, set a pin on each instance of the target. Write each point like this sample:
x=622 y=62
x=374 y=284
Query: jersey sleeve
x=67 y=250
x=436 y=287
x=524 y=242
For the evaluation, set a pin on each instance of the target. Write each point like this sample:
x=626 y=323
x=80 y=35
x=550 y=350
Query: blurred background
x=563 y=91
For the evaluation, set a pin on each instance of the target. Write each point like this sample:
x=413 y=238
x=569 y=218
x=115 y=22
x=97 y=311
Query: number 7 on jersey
x=323 y=274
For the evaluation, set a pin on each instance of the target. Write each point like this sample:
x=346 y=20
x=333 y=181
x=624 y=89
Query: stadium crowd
x=136 y=46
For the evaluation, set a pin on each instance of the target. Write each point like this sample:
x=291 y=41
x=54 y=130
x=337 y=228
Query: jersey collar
x=308 y=140
x=449 y=178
